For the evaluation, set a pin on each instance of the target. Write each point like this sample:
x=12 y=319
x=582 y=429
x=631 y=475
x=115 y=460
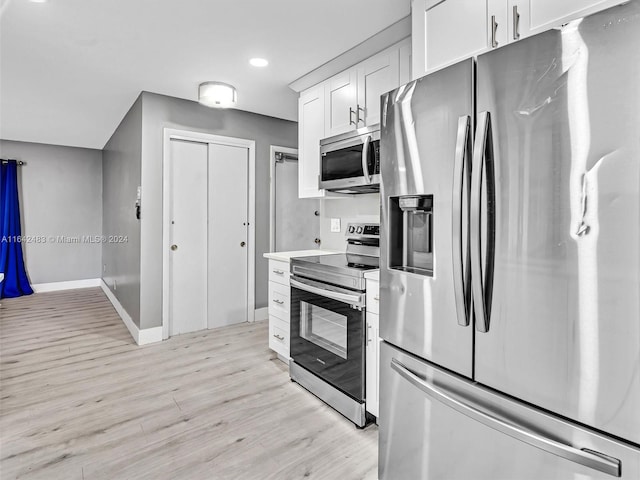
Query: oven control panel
x=371 y=230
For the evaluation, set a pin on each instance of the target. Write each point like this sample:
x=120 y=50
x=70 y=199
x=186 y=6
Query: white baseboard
x=70 y=285
x=261 y=314
x=142 y=337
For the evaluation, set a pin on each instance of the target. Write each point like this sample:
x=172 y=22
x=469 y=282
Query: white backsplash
x=352 y=208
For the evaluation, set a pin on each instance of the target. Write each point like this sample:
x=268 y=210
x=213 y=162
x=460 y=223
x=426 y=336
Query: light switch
x=335 y=225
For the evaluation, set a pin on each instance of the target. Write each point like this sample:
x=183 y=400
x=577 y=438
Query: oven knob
x=352 y=229
x=359 y=229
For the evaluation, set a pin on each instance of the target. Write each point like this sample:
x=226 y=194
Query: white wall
x=353 y=208
x=60 y=196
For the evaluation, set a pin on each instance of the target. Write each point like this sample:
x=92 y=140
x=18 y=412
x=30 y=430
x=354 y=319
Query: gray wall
x=60 y=195
x=121 y=167
x=159 y=112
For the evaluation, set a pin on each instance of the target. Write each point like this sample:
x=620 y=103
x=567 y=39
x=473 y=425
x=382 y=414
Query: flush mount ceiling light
x=259 y=62
x=38 y=1
x=217 y=95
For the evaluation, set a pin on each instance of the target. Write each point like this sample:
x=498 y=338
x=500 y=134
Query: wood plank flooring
x=79 y=400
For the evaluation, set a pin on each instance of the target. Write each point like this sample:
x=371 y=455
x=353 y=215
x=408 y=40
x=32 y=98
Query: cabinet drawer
x=279 y=336
x=373 y=296
x=279 y=300
x=279 y=272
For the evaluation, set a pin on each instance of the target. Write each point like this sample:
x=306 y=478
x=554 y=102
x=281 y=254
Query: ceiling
x=70 y=69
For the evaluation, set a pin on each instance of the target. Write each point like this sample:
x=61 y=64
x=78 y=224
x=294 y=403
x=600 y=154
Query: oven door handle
x=355 y=299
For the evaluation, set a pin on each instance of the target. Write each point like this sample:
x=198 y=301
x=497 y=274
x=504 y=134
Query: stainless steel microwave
x=350 y=162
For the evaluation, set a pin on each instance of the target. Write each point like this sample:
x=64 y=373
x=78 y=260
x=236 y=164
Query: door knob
x=174 y=247
x=242 y=244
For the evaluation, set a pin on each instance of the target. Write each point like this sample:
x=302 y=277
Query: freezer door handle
x=588 y=458
x=482 y=279
x=461 y=169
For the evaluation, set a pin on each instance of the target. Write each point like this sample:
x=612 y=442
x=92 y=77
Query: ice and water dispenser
x=411 y=234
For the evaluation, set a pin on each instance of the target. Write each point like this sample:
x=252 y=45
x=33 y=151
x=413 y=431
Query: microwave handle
x=365 y=158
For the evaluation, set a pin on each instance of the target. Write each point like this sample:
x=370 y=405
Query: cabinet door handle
x=368 y=336
x=278 y=272
x=279 y=337
x=358 y=110
x=351 y=113
x=494 y=28
x=376 y=298
x=516 y=23
x=279 y=302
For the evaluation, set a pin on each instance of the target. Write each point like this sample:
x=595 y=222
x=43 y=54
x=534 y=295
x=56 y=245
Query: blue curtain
x=15 y=282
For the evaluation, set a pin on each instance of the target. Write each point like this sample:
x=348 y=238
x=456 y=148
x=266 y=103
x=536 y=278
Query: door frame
x=273 y=149
x=191 y=136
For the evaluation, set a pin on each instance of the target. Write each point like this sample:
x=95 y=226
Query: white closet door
x=228 y=217
x=188 y=234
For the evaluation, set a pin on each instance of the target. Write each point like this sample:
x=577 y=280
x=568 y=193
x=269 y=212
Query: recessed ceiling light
x=38 y=1
x=259 y=62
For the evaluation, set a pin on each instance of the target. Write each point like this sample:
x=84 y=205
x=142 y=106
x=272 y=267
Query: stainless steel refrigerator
x=510 y=261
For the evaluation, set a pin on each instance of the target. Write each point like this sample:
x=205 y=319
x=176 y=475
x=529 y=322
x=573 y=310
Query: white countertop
x=372 y=275
x=287 y=256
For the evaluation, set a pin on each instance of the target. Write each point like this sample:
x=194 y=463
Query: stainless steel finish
x=565 y=334
x=351 y=112
x=349 y=139
x=353 y=185
x=588 y=458
x=419 y=132
x=516 y=23
x=352 y=278
x=347 y=406
x=365 y=153
x=174 y=247
x=423 y=438
x=362 y=184
x=461 y=168
x=494 y=28
x=356 y=299
x=482 y=131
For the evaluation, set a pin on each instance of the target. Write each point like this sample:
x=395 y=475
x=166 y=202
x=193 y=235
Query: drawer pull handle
x=279 y=302
x=278 y=272
x=376 y=298
x=279 y=337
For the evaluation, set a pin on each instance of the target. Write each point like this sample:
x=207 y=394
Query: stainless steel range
x=328 y=322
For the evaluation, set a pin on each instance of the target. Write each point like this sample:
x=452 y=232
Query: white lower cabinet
x=279 y=336
x=372 y=373
x=279 y=304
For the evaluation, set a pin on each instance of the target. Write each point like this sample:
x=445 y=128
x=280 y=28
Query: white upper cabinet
x=311 y=106
x=376 y=76
x=452 y=30
x=447 y=31
x=341 y=103
x=345 y=102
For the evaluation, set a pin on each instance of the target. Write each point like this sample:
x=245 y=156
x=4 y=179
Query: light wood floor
x=79 y=400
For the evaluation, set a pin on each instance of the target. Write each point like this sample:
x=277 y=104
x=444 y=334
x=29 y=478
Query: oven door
x=327 y=333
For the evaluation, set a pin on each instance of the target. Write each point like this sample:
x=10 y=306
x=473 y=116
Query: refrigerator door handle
x=460 y=170
x=588 y=458
x=482 y=279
